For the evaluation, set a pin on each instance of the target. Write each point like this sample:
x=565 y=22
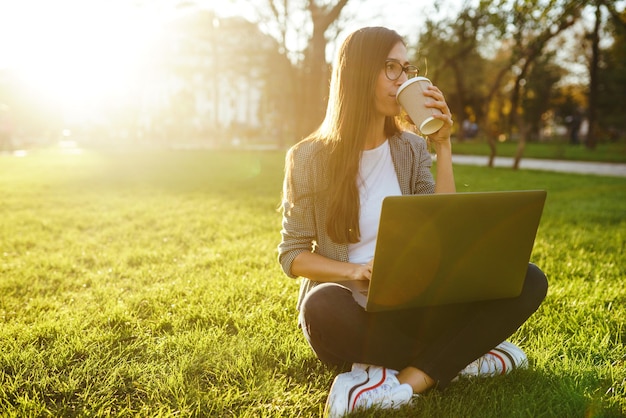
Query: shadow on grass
x=525 y=393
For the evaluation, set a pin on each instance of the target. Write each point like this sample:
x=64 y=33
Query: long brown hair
x=351 y=106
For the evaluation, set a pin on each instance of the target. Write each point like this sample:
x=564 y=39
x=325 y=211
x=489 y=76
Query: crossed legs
x=429 y=346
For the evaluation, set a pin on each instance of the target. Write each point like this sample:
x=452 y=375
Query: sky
x=33 y=33
x=81 y=52
x=76 y=51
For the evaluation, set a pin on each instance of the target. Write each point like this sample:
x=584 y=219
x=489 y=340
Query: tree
x=612 y=79
x=540 y=93
x=619 y=22
x=452 y=49
x=222 y=73
x=593 y=77
x=469 y=65
x=530 y=24
x=301 y=27
x=315 y=65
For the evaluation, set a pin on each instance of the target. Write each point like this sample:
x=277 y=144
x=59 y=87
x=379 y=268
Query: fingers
x=366 y=270
x=439 y=102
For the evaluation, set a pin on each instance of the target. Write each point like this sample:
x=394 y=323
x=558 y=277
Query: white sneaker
x=361 y=366
x=364 y=387
x=503 y=359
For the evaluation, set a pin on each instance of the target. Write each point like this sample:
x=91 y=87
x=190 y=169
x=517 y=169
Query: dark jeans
x=439 y=340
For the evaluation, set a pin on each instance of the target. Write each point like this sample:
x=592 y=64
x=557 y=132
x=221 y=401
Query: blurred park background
x=255 y=73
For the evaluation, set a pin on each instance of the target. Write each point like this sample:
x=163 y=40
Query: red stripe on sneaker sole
x=355 y=387
x=499 y=357
x=509 y=356
x=356 y=398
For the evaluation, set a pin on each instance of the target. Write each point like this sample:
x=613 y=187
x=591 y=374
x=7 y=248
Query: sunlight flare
x=77 y=54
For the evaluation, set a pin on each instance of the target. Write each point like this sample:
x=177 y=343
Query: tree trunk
x=461 y=100
x=593 y=81
x=316 y=69
x=491 y=141
x=521 y=145
x=316 y=74
x=491 y=132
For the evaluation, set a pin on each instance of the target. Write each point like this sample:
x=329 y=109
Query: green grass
x=608 y=152
x=146 y=284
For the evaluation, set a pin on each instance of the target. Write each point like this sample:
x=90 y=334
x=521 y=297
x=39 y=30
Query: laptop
x=451 y=248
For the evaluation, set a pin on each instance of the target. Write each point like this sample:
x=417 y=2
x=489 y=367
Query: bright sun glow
x=81 y=54
x=72 y=52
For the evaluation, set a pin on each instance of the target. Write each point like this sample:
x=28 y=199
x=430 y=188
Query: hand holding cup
x=411 y=97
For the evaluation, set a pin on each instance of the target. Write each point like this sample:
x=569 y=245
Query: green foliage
x=146 y=284
x=612 y=78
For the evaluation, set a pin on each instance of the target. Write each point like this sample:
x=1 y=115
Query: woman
x=335 y=181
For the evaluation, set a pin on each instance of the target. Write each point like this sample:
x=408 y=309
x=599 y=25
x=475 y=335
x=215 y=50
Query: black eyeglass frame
x=411 y=71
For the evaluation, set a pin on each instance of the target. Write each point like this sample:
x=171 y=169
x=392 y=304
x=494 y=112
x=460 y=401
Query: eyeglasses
x=393 y=70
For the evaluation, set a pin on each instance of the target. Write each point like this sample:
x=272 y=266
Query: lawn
x=145 y=283
x=555 y=149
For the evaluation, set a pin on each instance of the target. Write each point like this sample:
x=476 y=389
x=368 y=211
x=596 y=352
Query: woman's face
x=385 y=91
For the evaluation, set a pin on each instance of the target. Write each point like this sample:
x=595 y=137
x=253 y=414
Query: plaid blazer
x=304 y=218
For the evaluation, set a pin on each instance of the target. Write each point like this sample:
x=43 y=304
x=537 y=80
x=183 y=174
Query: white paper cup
x=411 y=97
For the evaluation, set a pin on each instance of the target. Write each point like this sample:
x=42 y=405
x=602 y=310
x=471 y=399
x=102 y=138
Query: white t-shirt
x=377 y=180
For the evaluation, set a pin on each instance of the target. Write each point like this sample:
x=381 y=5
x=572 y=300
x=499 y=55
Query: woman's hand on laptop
x=362 y=271
x=323 y=269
